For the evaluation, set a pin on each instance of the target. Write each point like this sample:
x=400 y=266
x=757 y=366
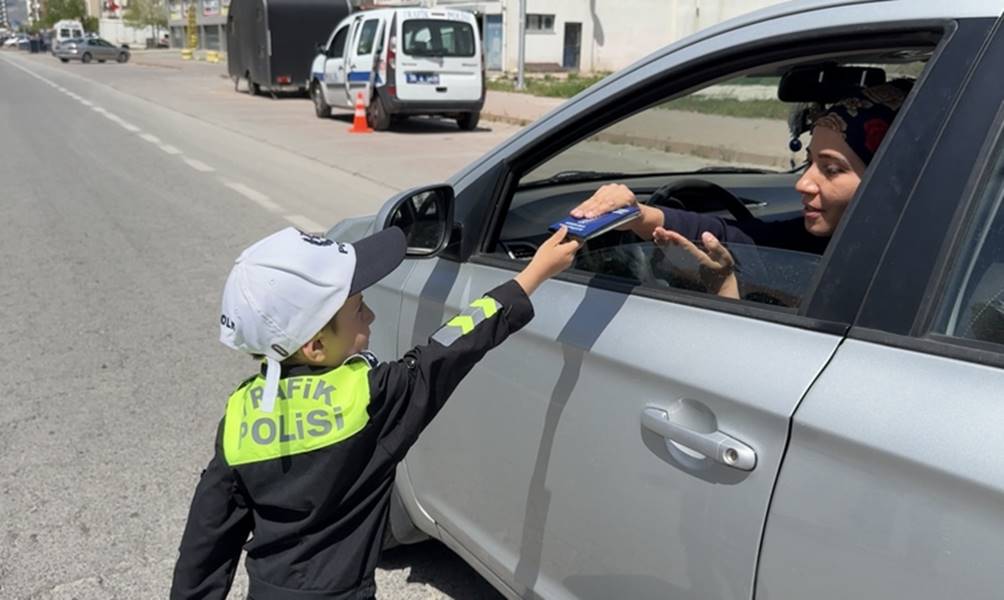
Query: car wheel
x=122 y=57
x=468 y=121
x=321 y=108
x=377 y=116
x=65 y=60
x=86 y=58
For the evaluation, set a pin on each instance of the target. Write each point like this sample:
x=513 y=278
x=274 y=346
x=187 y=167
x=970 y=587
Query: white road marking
x=150 y=138
x=169 y=149
x=304 y=223
x=253 y=195
x=128 y=126
x=197 y=165
x=98 y=109
x=86 y=102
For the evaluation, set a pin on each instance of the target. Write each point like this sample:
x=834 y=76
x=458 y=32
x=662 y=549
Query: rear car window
x=973 y=308
x=436 y=37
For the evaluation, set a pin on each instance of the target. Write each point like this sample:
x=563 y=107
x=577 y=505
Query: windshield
x=436 y=37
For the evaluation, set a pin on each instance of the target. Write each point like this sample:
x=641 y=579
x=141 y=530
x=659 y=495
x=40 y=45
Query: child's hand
x=554 y=256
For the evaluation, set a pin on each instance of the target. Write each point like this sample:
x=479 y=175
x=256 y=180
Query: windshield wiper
x=576 y=176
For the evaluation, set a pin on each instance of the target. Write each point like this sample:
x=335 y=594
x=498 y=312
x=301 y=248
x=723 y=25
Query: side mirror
x=425 y=214
x=320 y=48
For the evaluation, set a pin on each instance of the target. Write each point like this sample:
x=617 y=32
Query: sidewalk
x=733 y=140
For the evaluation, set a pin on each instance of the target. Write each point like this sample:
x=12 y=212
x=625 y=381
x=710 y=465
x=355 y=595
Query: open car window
x=733 y=134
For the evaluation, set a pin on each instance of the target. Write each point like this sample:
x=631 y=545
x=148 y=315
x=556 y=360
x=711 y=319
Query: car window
x=720 y=157
x=437 y=37
x=972 y=308
x=366 y=37
x=337 y=47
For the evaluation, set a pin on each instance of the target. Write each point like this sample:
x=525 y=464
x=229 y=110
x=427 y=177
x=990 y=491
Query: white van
x=405 y=61
x=66 y=29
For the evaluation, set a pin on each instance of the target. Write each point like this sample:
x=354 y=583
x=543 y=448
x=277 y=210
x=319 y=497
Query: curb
x=159 y=66
x=721 y=153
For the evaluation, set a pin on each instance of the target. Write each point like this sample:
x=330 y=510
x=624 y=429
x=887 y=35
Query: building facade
x=210 y=22
x=588 y=35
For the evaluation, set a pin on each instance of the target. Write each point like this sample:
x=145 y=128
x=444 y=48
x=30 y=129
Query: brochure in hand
x=587 y=229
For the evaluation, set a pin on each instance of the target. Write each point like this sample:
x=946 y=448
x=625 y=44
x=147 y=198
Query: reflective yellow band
x=311 y=412
x=462 y=324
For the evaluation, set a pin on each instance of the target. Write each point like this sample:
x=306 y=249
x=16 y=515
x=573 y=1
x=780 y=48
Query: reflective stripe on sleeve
x=462 y=324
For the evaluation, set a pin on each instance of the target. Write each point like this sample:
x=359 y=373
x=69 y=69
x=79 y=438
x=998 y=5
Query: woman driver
x=845 y=137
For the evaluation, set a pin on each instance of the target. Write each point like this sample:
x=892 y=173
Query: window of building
x=540 y=23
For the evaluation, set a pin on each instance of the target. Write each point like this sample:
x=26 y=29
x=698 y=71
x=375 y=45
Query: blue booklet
x=585 y=229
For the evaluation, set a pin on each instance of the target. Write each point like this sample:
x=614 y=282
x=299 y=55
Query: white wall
x=117 y=32
x=615 y=33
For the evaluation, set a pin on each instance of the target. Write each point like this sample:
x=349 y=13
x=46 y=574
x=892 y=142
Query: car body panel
x=566 y=447
x=893 y=485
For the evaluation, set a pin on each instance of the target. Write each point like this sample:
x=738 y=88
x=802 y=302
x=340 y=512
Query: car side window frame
x=901 y=313
x=658 y=88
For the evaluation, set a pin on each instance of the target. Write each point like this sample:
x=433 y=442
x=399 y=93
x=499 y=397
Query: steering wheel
x=691 y=193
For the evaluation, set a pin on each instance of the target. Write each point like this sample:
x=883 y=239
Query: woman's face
x=829 y=183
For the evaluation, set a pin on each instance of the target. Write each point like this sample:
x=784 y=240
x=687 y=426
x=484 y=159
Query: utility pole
x=520 y=83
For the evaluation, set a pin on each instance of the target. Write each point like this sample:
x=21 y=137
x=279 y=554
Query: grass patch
x=552 y=87
x=730 y=107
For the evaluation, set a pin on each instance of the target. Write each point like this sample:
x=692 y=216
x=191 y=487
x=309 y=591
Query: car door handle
x=715 y=445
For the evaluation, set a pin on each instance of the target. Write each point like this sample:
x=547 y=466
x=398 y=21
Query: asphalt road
x=121 y=218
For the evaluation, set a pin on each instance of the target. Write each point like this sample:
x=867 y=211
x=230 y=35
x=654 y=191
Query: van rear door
x=440 y=56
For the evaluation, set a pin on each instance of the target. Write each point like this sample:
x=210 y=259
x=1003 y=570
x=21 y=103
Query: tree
x=146 y=13
x=57 y=10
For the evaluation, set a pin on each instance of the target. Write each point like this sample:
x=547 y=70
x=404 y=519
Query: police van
x=405 y=61
x=67 y=29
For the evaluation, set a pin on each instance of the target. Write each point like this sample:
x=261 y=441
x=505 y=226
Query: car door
x=360 y=56
x=892 y=485
x=567 y=463
x=334 y=68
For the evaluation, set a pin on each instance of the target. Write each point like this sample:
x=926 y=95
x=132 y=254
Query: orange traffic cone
x=359 y=118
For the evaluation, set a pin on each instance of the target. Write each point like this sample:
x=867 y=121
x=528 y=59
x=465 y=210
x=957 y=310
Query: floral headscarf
x=864 y=118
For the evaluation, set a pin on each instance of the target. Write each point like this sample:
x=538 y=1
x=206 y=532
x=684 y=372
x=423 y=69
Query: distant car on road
x=87 y=50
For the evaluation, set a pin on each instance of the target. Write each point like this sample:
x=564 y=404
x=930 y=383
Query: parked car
x=89 y=49
x=588 y=456
x=406 y=61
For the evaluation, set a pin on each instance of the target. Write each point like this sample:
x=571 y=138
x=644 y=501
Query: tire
x=122 y=57
x=65 y=60
x=321 y=108
x=86 y=58
x=253 y=88
x=377 y=116
x=468 y=121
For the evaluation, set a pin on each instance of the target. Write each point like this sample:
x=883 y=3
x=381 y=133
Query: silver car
x=836 y=436
x=89 y=49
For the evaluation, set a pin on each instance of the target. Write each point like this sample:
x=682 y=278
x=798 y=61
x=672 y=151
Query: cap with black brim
x=376 y=256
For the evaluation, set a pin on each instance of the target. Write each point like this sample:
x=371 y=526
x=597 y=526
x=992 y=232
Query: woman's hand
x=554 y=256
x=717 y=268
x=608 y=198
x=612 y=196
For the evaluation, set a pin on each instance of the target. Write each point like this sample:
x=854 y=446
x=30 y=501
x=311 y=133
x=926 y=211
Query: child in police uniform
x=306 y=452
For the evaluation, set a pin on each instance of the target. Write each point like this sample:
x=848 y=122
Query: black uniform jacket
x=317 y=519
